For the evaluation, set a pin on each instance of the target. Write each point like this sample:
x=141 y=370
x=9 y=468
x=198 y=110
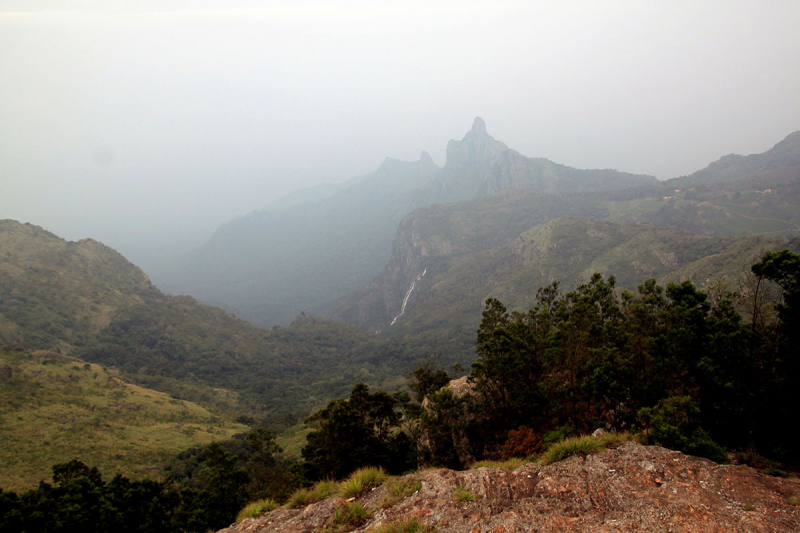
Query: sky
x=147 y=124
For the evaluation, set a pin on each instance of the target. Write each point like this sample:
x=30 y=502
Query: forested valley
x=711 y=373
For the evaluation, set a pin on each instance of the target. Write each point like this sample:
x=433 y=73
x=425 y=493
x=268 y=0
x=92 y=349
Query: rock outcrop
x=630 y=488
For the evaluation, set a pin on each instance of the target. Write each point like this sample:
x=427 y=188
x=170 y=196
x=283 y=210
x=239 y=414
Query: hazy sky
x=140 y=122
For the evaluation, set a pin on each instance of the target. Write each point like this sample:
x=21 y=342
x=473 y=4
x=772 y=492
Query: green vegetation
x=508 y=464
x=463 y=495
x=581 y=446
x=84 y=299
x=363 y=430
x=362 y=480
x=347 y=517
x=410 y=525
x=398 y=489
x=257 y=508
x=319 y=491
x=793 y=500
x=55 y=408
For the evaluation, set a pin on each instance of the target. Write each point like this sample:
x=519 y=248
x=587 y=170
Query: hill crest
x=630 y=488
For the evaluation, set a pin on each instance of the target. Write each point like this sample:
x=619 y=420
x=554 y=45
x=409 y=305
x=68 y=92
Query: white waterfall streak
x=408 y=295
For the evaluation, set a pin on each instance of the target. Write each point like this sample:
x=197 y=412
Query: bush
x=674 y=424
x=522 y=442
x=257 y=508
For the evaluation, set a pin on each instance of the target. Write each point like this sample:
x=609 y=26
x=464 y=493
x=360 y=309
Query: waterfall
x=408 y=295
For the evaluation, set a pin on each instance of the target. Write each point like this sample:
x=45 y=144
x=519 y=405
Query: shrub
x=463 y=494
x=256 y=509
x=674 y=424
x=522 y=442
x=412 y=525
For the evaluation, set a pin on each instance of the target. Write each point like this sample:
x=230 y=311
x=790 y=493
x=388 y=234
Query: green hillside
x=54 y=408
x=569 y=250
x=736 y=196
x=85 y=300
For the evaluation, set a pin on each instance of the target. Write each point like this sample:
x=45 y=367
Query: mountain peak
x=479 y=126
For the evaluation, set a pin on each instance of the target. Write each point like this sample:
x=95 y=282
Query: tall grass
x=361 y=480
x=256 y=509
x=583 y=446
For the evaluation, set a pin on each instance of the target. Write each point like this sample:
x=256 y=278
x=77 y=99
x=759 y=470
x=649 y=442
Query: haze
x=147 y=124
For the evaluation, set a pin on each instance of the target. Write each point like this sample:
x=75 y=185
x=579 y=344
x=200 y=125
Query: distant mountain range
x=311 y=249
x=409 y=252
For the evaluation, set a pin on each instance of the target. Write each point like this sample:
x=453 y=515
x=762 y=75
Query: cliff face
x=630 y=488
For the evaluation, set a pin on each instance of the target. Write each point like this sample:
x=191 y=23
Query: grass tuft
x=347 y=517
x=361 y=480
x=582 y=446
x=793 y=500
x=400 y=489
x=256 y=509
x=411 y=525
x=509 y=464
x=463 y=494
x=304 y=496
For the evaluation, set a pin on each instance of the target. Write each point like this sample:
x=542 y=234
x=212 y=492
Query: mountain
x=305 y=252
x=55 y=408
x=85 y=300
x=479 y=165
x=443 y=303
x=628 y=488
x=466 y=248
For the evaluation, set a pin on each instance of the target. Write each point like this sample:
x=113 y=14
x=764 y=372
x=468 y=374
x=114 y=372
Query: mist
x=147 y=124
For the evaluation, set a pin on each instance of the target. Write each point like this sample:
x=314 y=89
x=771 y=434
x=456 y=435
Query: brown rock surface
x=630 y=488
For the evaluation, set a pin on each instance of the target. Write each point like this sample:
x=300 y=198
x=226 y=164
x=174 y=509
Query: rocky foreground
x=630 y=488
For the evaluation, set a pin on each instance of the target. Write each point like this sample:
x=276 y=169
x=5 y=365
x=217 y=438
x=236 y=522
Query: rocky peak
x=476 y=149
x=630 y=488
x=478 y=126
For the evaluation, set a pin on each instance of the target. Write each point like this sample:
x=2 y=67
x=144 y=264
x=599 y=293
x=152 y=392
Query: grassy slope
x=55 y=408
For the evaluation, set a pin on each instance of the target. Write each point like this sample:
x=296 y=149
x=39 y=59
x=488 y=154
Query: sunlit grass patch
x=257 y=508
x=304 y=496
x=584 y=445
x=361 y=480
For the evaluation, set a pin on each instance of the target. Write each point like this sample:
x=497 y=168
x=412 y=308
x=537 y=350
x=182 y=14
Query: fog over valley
x=148 y=124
